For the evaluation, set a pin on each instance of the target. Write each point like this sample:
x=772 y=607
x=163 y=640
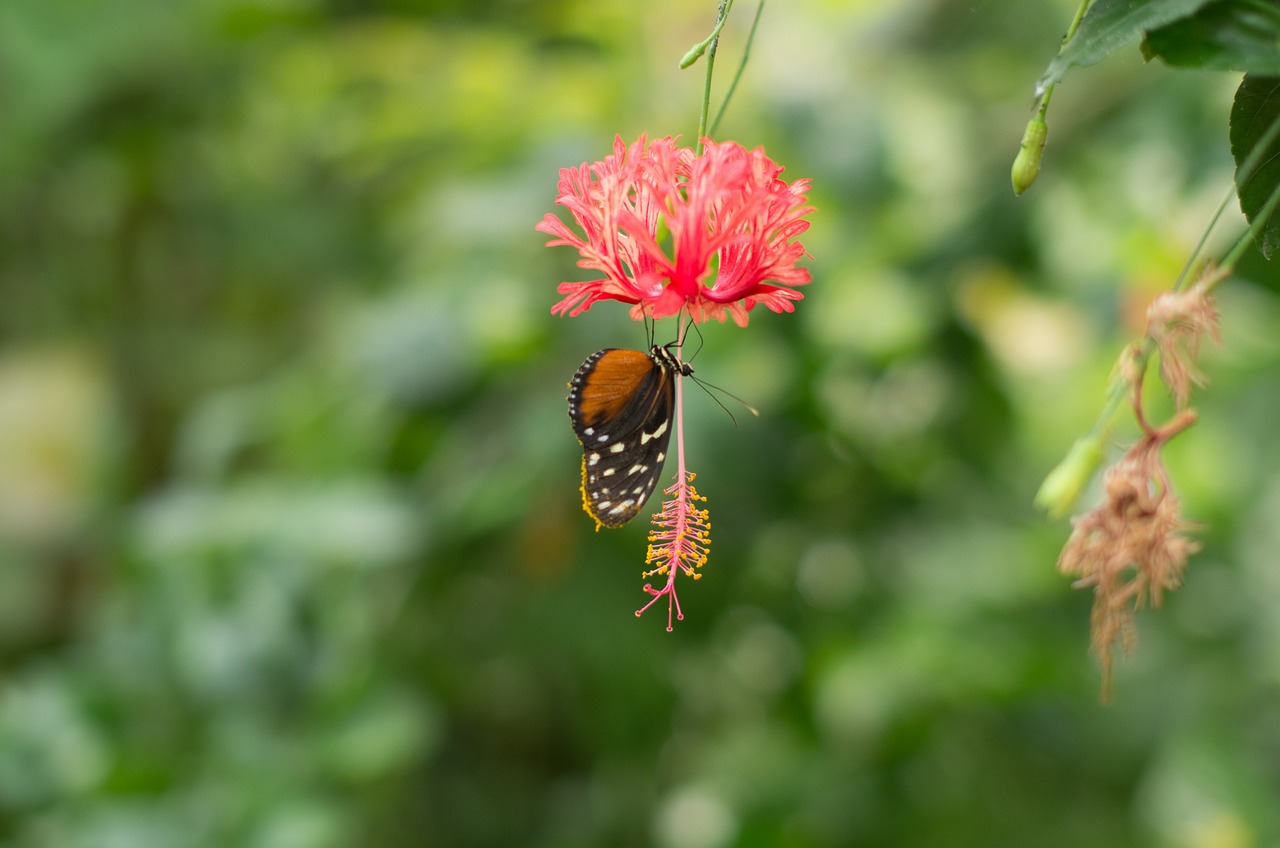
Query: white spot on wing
x=645 y=437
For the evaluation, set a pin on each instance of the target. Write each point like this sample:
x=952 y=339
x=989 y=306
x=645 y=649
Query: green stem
x=706 y=99
x=746 y=54
x=1119 y=391
x=1075 y=22
x=1066 y=39
x=1185 y=273
x=709 y=47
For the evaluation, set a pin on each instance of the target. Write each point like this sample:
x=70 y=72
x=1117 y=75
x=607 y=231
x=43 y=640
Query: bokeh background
x=291 y=549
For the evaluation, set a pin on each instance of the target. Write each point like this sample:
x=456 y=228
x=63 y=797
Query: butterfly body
x=621 y=404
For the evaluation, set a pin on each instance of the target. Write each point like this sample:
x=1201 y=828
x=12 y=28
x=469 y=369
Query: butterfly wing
x=621 y=404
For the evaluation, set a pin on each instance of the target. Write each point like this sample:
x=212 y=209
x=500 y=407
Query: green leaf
x=1229 y=35
x=1255 y=145
x=1108 y=26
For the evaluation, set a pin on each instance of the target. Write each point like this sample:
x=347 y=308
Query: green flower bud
x=1066 y=482
x=1026 y=165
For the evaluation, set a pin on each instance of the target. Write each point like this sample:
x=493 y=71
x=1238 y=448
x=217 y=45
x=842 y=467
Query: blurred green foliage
x=291 y=553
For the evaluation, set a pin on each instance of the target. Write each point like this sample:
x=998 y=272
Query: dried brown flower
x=1177 y=322
x=1130 y=548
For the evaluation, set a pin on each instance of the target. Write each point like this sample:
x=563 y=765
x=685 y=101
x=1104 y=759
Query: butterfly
x=621 y=404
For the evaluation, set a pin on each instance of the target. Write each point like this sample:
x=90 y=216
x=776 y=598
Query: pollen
x=678 y=543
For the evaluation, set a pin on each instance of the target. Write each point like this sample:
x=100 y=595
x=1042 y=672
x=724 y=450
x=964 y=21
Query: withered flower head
x=1129 y=548
x=1177 y=322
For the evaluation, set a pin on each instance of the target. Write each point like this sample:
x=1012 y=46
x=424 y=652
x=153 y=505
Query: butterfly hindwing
x=621 y=404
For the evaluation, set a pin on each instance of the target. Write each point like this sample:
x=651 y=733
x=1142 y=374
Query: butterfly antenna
x=703 y=384
x=701 y=342
x=707 y=387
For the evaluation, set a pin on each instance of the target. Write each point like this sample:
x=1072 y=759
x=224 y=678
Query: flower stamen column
x=683 y=531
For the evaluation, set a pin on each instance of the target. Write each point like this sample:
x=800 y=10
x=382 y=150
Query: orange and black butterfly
x=621 y=403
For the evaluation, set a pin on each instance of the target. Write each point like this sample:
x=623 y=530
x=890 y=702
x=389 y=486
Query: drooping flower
x=1132 y=547
x=714 y=234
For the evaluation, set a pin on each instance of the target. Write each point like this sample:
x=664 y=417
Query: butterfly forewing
x=621 y=404
x=612 y=393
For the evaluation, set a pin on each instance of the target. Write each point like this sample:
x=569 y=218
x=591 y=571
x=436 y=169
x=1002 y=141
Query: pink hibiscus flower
x=712 y=233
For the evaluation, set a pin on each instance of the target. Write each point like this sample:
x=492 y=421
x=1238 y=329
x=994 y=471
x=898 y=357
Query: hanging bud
x=1065 y=483
x=1026 y=165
